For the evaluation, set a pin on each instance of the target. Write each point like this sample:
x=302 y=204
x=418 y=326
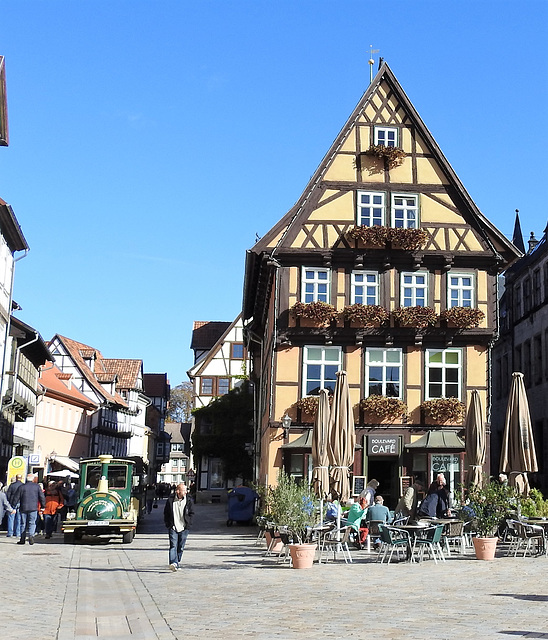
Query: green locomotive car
x=106 y=507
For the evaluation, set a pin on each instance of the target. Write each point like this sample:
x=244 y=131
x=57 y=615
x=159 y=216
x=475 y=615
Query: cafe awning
x=440 y=440
x=304 y=441
x=65 y=462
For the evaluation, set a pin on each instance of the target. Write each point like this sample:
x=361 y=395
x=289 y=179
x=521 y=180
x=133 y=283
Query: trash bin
x=241 y=505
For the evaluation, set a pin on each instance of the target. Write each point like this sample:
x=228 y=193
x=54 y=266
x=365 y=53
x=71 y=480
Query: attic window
x=386 y=136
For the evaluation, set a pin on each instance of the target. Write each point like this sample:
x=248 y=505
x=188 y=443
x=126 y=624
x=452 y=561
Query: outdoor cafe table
x=414 y=531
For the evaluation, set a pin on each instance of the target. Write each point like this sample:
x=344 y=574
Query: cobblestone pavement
x=53 y=591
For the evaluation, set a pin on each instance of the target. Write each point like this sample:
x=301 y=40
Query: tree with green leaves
x=223 y=429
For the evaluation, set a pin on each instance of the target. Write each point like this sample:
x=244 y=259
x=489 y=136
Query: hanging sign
x=383 y=445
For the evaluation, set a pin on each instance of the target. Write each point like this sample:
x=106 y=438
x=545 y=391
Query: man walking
x=14 y=519
x=178 y=514
x=29 y=496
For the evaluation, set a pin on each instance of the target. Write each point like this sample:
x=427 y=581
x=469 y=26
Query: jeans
x=50 y=523
x=177 y=541
x=28 y=523
x=14 y=524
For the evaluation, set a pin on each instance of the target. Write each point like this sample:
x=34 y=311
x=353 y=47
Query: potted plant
x=308 y=407
x=407 y=239
x=366 y=315
x=321 y=313
x=392 y=156
x=418 y=317
x=375 y=235
x=293 y=505
x=463 y=317
x=444 y=410
x=383 y=407
x=488 y=505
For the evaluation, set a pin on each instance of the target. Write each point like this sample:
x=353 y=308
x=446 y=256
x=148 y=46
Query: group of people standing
x=30 y=508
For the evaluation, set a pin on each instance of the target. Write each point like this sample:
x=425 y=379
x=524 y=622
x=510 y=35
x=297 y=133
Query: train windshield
x=117 y=476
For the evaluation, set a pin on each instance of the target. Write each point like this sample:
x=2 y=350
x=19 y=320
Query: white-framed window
x=383 y=372
x=364 y=287
x=315 y=284
x=443 y=373
x=460 y=289
x=320 y=365
x=405 y=211
x=371 y=208
x=387 y=136
x=414 y=289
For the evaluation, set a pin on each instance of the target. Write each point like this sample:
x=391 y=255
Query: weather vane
x=372 y=62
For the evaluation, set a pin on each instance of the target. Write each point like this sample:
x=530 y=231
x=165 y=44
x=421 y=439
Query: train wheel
x=68 y=538
x=128 y=537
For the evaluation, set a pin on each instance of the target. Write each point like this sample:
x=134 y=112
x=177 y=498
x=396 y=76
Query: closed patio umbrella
x=342 y=437
x=476 y=440
x=518 y=456
x=320 y=442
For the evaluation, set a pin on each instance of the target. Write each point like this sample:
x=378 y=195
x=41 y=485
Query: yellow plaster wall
x=342 y=168
x=350 y=143
x=365 y=132
x=328 y=193
x=472 y=243
x=432 y=211
x=341 y=208
x=428 y=172
x=403 y=173
x=476 y=366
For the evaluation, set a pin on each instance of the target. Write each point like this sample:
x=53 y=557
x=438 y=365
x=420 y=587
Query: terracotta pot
x=278 y=546
x=302 y=555
x=485 y=548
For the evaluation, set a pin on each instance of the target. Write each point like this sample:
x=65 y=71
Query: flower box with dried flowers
x=392 y=156
x=378 y=408
x=308 y=407
x=366 y=315
x=418 y=317
x=321 y=313
x=463 y=317
x=379 y=237
x=443 y=410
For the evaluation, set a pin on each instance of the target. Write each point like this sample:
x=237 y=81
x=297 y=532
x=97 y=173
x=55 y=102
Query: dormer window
x=386 y=136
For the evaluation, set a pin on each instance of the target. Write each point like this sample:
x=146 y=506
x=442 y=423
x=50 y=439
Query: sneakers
x=174 y=566
x=21 y=542
x=31 y=540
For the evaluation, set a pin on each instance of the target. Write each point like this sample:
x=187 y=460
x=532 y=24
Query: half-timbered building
x=385 y=268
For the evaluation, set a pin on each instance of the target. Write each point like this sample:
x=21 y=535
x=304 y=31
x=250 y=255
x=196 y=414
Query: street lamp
x=286 y=423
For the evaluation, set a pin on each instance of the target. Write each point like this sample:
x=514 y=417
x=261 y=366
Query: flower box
x=417 y=317
x=380 y=237
x=392 y=156
x=318 y=313
x=366 y=315
x=443 y=411
x=463 y=317
x=383 y=409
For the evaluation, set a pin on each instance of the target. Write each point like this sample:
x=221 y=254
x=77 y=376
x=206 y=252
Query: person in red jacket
x=54 y=503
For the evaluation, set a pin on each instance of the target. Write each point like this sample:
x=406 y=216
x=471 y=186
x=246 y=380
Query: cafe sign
x=383 y=445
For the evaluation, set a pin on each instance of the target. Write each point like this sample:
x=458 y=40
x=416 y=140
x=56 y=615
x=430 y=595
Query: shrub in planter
x=489 y=504
x=367 y=315
x=384 y=407
x=408 y=239
x=320 y=312
x=419 y=317
x=308 y=405
x=463 y=317
x=444 y=410
x=292 y=505
x=534 y=505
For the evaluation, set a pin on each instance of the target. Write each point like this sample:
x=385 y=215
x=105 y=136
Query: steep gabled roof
x=127 y=372
x=206 y=333
x=156 y=385
x=199 y=366
x=56 y=384
x=277 y=238
x=77 y=351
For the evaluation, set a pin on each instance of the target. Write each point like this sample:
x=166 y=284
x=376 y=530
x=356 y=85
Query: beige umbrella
x=518 y=456
x=320 y=441
x=342 y=437
x=476 y=440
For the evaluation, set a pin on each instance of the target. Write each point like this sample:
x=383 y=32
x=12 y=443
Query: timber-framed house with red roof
x=385 y=268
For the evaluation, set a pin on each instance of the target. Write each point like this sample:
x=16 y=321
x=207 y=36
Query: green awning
x=304 y=441
x=446 y=440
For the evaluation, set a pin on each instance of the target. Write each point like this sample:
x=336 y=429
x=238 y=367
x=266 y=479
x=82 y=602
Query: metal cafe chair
x=531 y=537
x=374 y=532
x=393 y=539
x=335 y=541
x=431 y=543
x=453 y=534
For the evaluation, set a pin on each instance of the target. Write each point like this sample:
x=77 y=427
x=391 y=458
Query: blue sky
x=150 y=141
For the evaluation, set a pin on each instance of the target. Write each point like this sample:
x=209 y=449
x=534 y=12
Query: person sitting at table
x=407 y=505
x=333 y=509
x=354 y=519
x=378 y=513
x=436 y=503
